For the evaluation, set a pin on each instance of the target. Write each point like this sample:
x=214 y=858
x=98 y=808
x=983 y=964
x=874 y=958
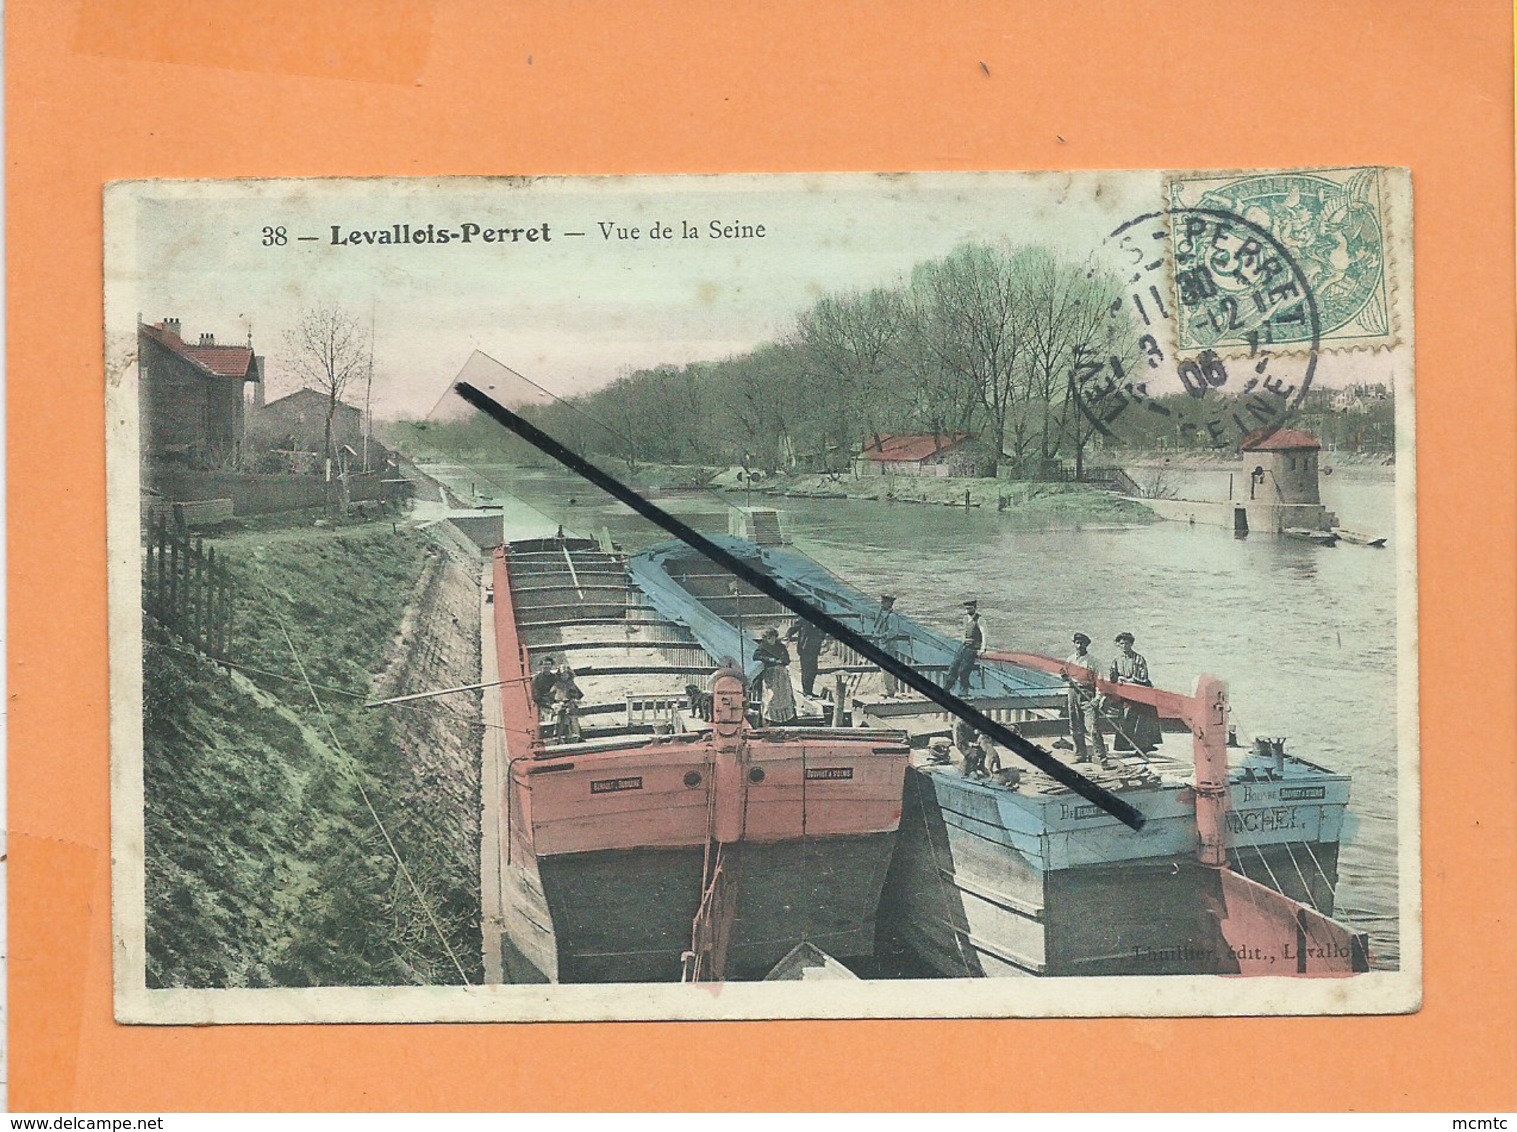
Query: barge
x=992 y=877
x=650 y=834
x=1012 y=873
x=1008 y=879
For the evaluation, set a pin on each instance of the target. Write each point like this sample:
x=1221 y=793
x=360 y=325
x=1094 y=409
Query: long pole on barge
x=1061 y=772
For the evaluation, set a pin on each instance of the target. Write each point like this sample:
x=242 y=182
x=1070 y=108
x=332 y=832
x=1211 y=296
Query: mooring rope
x=1321 y=872
x=1274 y=880
x=1305 y=887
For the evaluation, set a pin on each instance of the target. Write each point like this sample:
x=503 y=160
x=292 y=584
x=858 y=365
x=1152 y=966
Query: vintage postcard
x=747 y=597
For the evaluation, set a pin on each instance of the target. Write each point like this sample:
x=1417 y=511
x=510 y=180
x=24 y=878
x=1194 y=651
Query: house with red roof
x=192 y=395
x=924 y=455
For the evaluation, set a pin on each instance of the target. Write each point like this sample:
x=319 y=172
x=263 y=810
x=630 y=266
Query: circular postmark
x=1213 y=332
x=1333 y=227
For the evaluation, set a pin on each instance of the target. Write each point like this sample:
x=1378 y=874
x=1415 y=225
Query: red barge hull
x=708 y=852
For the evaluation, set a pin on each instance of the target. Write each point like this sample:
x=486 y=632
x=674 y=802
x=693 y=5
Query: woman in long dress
x=779 y=696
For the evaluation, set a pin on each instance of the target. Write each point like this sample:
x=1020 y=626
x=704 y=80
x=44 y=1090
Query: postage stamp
x=1284 y=236
x=748 y=597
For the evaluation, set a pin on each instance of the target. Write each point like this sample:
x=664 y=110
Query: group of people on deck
x=1135 y=727
x=557 y=694
x=883 y=628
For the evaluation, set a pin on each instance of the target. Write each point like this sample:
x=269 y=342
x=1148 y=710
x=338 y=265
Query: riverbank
x=1208 y=461
x=266 y=863
x=1019 y=503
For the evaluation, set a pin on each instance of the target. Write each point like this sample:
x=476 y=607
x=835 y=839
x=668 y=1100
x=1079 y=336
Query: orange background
x=106 y=89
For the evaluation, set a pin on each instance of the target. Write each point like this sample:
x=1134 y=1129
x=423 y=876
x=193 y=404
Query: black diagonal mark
x=1059 y=771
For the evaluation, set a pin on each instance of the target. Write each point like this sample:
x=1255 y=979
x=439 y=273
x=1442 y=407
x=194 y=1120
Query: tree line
x=996 y=341
x=982 y=341
x=1341 y=422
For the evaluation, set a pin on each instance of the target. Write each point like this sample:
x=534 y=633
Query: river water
x=1304 y=635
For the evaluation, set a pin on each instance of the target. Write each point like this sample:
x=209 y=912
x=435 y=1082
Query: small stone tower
x=1281 y=467
x=1280 y=470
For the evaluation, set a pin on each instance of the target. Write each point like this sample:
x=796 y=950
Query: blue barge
x=1012 y=874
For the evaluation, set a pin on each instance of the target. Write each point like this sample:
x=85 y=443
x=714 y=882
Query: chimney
x=208 y=339
x=171 y=326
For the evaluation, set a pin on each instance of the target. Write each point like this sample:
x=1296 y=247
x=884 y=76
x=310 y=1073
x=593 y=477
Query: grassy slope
x=264 y=865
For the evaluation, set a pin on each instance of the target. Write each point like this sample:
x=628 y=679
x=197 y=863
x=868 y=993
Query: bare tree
x=1099 y=351
x=967 y=319
x=1160 y=482
x=931 y=396
x=329 y=350
x=763 y=402
x=1054 y=297
x=847 y=342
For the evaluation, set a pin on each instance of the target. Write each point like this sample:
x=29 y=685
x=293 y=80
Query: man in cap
x=972 y=644
x=808 y=646
x=1084 y=701
x=886 y=631
x=1137 y=724
x=779 y=696
x=544 y=683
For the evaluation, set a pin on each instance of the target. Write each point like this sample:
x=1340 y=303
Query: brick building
x=298 y=423
x=193 y=395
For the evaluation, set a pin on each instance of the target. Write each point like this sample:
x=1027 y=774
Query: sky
x=570 y=312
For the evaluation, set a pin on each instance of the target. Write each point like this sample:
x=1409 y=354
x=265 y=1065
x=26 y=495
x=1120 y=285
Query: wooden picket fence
x=186 y=590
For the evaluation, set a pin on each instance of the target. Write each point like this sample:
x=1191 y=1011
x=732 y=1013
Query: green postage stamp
x=1327 y=227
